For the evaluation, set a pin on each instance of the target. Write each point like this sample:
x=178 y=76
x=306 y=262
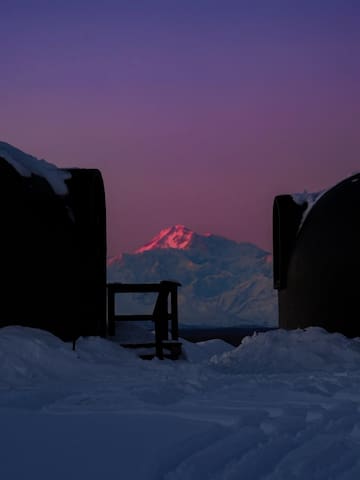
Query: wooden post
x=158 y=341
x=164 y=315
x=111 y=311
x=174 y=314
x=160 y=311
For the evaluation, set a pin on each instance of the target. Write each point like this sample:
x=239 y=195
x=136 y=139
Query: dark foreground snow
x=283 y=405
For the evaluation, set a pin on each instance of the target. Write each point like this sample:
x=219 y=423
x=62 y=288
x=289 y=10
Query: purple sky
x=196 y=112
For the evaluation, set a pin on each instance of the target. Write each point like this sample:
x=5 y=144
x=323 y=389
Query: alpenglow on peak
x=177 y=236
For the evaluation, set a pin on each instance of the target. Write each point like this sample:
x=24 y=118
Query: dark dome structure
x=317 y=259
x=53 y=250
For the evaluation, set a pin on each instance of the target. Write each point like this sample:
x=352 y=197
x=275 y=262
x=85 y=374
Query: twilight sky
x=196 y=111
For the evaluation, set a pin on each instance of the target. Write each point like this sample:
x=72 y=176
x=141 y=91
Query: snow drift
x=294 y=351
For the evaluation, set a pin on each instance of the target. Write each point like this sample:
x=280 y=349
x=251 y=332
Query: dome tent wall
x=322 y=274
x=287 y=216
x=43 y=262
x=87 y=200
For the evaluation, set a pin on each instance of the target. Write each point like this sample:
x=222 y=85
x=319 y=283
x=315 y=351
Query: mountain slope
x=224 y=283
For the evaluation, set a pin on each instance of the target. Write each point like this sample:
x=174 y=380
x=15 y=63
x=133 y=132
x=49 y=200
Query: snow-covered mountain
x=224 y=283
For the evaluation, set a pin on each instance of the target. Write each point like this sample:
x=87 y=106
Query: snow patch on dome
x=27 y=165
x=309 y=199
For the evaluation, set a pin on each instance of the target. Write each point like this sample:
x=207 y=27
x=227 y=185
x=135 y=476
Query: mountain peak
x=177 y=236
x=224 y=282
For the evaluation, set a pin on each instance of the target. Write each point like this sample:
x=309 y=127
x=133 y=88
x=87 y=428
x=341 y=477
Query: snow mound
x=296 y=351
x=203 y=351
x=103 y=353
x=28 y=355
x=27 y=165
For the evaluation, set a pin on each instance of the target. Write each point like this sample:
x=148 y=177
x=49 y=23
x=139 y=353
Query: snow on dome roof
x=27 y=165
x=311 y=198
x=308 y=198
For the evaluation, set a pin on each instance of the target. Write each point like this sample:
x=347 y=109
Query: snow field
x=283 y=405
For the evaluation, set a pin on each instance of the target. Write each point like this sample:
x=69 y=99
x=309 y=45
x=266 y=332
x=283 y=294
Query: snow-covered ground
x=283 y=405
